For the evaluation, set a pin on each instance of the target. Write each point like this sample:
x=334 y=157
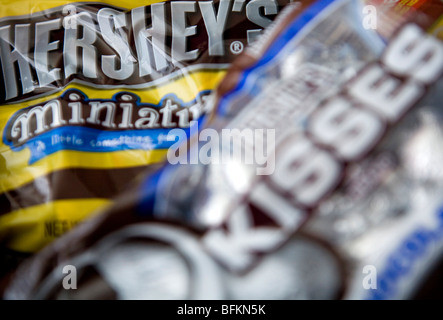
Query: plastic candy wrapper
x=90 y=92
x=319 y=175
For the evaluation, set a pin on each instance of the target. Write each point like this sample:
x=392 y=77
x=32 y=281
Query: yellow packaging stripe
x=22 y=7
x=29 y=229
x=73 y=183
x=21 y=173
x=185 y=87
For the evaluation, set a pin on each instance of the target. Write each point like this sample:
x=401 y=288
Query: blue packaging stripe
x=402 y=261
x=94 y=140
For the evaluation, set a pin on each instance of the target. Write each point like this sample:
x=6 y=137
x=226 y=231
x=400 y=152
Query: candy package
x=89 y=93
x=317 y=176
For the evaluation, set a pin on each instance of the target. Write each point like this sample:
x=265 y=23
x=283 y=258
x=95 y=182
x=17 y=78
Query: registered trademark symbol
x=236 y=47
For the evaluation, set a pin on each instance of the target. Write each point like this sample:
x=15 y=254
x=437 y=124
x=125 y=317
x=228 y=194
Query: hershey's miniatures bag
x=89 y=92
